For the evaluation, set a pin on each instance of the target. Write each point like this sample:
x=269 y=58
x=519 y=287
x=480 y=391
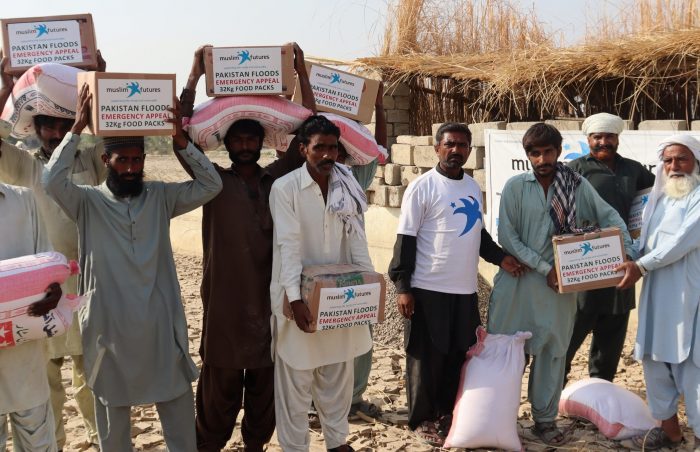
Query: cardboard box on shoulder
x=69 y=40
x=341 y=92
x=235 y=71
x=586 y=261
x=129 y=104
x=634 y=222
x=341 y=296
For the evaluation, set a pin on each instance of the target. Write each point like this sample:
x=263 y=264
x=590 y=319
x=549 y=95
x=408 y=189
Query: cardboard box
x=341 y=92
x=634 y=222
x=585 y=261
x=129 y=104
x=66 y=40
x=235 y=71
x=342 y=295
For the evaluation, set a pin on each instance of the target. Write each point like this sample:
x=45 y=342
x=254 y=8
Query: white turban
x=603 y=123
x=657 y=190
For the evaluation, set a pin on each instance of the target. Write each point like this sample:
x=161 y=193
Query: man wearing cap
x=237 y=369
x=134 y=328
x=668 y=336
x=605 y=312
x=19 y=167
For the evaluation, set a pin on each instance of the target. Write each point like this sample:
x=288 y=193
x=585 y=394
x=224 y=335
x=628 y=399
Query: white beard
x=679 y=187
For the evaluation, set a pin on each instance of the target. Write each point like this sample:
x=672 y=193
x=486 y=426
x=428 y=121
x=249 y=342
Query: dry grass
x=442 y=27
x=486 y=60
x=633 y=17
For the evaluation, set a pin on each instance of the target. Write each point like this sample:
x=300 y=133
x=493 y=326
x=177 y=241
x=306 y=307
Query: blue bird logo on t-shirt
x=471 y=210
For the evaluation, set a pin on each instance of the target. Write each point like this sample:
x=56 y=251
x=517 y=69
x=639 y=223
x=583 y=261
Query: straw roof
x=638 y=77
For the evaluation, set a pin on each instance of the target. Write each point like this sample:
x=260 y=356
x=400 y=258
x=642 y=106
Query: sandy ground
x=386 y=386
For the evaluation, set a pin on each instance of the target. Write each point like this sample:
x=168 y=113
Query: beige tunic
x=307 y=233
x=23 y=382
x=24 y=168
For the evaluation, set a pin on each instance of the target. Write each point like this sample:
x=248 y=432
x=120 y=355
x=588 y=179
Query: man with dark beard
x=605 y=312
x=134 y=329
x=237 y=369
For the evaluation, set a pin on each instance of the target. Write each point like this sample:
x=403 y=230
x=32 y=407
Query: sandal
x=348 y=448
x=548 y=433
x=367 y=408
x=654 y=439
x=427 y=433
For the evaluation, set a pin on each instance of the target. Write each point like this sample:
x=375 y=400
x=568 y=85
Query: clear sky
x=161 y=35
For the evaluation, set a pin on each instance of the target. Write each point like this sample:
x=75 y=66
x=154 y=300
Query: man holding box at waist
x=440 y=238
x=605 y=312
x=318 y=219
x=23 y=168
x=134 y=328
x=237 y=369
x=550 y=199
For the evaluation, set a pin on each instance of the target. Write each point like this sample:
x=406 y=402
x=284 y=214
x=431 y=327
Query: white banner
x=505 y=157
x=336 y=90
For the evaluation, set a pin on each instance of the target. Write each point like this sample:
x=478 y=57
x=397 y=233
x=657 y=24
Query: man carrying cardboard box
x=318 y=219
x=668 y=337
x=550 y=199
x=605 y=312
x=440 y=238
x=23 y=168
x=134 y=328
x=237 y=369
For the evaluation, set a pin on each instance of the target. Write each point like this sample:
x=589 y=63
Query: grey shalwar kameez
x=133 y=326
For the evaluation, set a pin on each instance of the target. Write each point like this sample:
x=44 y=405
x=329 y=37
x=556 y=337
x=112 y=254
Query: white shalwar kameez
x=319 y=365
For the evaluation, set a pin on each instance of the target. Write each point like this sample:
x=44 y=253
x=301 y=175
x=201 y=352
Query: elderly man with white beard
x=668 y=340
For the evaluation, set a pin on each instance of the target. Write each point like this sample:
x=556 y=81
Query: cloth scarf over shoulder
x=347 y=200
x=563 y=210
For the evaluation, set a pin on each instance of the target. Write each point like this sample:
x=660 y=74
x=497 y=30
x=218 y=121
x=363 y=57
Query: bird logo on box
x=586 y=248
x=471 y=210
x=349 y=295
x=41 y=30
x=134 y=88
x=244 y=55
x=335 y=78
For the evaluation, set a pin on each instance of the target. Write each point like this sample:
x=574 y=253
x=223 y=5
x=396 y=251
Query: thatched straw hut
x=648 y=76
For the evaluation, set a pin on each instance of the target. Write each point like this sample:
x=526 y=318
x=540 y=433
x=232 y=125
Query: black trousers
x=609 y=332
x=220 y=395
x=437 y=337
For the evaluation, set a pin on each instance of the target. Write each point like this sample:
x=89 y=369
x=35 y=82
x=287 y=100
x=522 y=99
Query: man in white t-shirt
x=439 y=240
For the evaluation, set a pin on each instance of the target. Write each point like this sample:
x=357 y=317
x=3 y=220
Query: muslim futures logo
x=244 y=55
x=471 y=210
x=586 y=248
x=349 y=295
x=335 y=78
x=41 y=30
x=134 y=88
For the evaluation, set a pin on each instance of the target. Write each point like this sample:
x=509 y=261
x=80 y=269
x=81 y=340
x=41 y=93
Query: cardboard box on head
x=232 y=71
x=586 y=261
x=341 y=296
x=342 y=93
x=129 y=104
x=66 y=40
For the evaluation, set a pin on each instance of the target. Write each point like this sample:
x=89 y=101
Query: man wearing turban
x=668 y=340
x=605 y=312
